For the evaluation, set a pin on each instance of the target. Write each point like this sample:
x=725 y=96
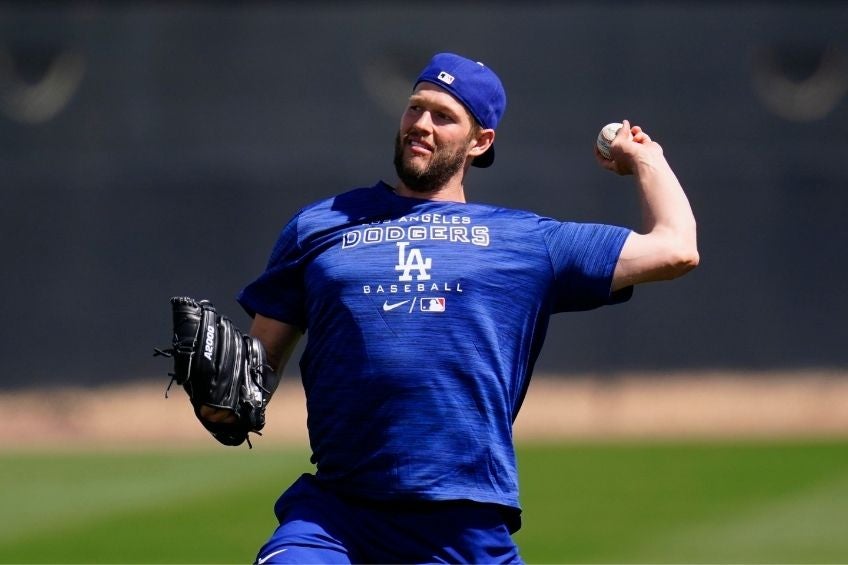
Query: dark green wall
x=148 y=150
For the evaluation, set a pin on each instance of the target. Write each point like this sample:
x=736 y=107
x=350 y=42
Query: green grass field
x=767 y=502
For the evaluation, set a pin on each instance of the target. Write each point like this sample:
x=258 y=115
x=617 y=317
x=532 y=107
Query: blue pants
x=318 y=526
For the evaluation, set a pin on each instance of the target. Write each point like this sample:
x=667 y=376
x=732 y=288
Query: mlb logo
x=445 y=77
x=433 y=304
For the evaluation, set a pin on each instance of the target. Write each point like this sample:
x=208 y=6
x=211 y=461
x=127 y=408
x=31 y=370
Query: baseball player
x=425 y=314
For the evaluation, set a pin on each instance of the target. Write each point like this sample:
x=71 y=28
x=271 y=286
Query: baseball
x=606 y=136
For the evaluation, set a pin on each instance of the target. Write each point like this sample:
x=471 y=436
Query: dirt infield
x=703 y=405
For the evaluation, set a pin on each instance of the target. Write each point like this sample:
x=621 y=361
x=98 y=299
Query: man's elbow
x=682 y=259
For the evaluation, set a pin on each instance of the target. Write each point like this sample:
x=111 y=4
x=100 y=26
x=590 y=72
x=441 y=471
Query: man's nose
x=424 y=121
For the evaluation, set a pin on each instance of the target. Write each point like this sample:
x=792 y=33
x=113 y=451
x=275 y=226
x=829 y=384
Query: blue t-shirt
x=424 y=320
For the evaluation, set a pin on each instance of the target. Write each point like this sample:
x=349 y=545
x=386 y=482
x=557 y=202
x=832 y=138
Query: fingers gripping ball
x=605 y=137
x=221 y=368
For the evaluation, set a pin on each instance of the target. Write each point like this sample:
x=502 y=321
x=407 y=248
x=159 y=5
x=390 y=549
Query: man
x=425 y=315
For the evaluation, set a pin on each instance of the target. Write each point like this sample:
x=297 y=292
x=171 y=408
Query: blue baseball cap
x=475 y=85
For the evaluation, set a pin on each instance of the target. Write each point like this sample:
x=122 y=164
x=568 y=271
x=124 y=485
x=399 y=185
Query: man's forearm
x=665 y=209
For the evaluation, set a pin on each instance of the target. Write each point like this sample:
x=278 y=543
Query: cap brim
x=486 y=159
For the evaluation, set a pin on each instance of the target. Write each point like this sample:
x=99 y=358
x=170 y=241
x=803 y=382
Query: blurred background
x=156 y=149
x=152 y=149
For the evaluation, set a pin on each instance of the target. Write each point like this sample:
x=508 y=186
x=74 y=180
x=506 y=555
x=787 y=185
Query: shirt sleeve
x=279 y=292
x=583 y=257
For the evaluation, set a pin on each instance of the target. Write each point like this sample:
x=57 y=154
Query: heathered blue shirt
x=424 y=320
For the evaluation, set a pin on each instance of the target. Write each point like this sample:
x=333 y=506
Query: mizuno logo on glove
x=210 y=342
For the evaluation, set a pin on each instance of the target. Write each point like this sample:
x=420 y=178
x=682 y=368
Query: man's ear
x=482 y=142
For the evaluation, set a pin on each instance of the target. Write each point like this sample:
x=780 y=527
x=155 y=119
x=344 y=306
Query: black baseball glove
x=221 y=368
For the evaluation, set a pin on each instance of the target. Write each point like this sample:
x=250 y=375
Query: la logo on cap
x=445 y=77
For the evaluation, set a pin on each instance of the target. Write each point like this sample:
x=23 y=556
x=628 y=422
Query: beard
x=444 y=164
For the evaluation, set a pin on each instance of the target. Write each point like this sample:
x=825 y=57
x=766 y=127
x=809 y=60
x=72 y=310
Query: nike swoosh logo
x=269 y=556
x=387 y=307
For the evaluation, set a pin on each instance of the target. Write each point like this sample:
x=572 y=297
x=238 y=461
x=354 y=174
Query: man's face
x=433 y=141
